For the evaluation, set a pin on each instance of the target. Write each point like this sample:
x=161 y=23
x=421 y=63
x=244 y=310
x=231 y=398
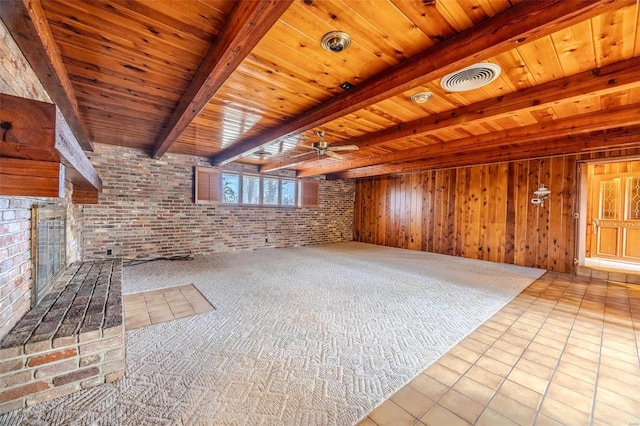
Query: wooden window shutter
x=309 y=190
x=208 y=188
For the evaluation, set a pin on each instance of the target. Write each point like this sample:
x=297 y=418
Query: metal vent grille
x=470 y=78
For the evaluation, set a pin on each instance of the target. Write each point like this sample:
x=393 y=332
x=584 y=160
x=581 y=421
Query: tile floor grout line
x=595 y=385
x=555 y=368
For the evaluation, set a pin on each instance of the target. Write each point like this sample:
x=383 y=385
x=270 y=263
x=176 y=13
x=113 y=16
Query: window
x=288 y=192
x=250 y=189
x=230 y=188
x=270 y=191
x=213 y=186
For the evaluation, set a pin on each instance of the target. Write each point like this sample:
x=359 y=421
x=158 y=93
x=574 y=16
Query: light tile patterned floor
x=156 y=306
x=565 y=351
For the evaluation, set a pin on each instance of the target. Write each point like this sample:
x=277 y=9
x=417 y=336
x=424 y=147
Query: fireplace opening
x=49 y=248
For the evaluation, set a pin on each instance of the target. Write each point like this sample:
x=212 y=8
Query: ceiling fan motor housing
x=320 y=145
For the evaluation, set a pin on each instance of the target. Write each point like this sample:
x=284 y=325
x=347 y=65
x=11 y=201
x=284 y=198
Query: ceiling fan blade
x=335 y=156
x=343 y=148
x=300 y=155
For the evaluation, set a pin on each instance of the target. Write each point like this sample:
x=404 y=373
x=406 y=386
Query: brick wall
x=18 y=79
x=146 y=209
x=16 y=76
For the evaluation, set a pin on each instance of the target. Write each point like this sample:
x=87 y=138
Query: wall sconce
x=541 y=194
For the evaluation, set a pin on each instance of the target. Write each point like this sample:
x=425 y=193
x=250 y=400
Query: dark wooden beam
x=524 y=22
x=625 y=116
x=601 y=81
x=507 y=151
x=245 y=26
x=26 y=21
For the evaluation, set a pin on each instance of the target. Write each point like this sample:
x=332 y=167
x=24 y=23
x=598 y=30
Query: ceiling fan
x=324 y=148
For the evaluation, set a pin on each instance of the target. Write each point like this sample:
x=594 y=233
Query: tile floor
x=155 y=306
x=565 y=351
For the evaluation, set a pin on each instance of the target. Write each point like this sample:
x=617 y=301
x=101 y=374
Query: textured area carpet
x=302 y=336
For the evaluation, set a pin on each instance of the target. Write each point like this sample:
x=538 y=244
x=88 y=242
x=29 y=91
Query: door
x=616 y=216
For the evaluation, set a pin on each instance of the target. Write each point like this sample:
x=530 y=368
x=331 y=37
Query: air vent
x=470 y=78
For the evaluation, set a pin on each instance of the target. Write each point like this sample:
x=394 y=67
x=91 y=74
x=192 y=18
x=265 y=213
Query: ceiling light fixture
x=421 y=97
x=262 y=153
x=336 y=41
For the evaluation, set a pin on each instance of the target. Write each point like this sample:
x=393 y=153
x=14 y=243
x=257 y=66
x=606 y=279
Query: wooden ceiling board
x=131 y=61
x=613 y=35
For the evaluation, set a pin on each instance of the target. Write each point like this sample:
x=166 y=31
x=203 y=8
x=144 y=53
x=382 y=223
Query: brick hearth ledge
x=72 y=340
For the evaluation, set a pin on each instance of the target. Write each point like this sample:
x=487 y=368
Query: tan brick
x=112 y=366
x=89 y=336
x=101 y=345
x=35 y=347
x=11 y=365
x=50 y=357
x=61 y=342
x=6 y=353
x=12 y=405
x=21 y=391
x=90 y=360
x=113 y=331
x=92 y=382
x=75 y=376
x=57 y=368
x=52 y=393
x=13 y=379
x=115 y=354
x=112 y=377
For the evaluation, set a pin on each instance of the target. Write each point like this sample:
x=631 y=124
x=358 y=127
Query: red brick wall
x=146 y=209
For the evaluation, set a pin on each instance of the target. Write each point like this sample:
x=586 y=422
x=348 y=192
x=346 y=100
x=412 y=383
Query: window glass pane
x=288 y=192
x=230 y=187
x=270 y=191
x=250 y=190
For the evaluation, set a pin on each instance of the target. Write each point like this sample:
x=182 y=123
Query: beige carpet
x=302 y=336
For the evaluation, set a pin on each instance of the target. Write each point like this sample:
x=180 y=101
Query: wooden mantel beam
x=600 y=81
x=508 y=151
x=624 y=116
x=26 y=21
x=524 y=22
x=245 y=26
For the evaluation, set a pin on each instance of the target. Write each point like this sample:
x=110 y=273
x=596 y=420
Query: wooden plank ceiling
x=223 y=79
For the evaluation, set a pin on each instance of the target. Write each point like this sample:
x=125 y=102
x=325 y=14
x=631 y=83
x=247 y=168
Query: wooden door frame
x=583 y=194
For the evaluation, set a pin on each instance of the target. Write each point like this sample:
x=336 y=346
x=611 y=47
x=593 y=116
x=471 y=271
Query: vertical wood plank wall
x=480 y=212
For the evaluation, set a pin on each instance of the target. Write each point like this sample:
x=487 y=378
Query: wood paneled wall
x=481 y=212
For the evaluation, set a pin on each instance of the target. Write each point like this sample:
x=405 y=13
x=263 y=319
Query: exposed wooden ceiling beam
x=508 y=151
x=624 y=116
x=521 y=23
x=245 y=26
x=26 y=21
x=616 y=77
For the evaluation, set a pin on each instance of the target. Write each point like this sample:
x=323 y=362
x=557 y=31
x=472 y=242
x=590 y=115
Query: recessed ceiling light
x=336 y=41
x=421 y=97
